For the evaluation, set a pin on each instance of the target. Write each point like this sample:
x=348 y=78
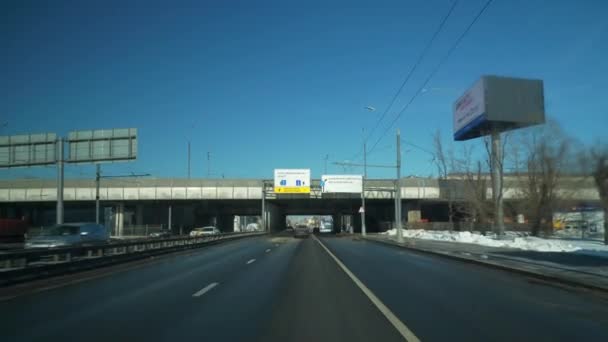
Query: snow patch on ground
x=511 y=240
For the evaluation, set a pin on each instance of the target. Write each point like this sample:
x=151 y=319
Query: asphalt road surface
x=285 y=289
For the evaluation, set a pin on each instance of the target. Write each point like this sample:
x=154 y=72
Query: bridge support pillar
x=139 y=215
x=225 y=223
x=10 y=212
x=336 y=222
x=414 y=211
x=275 y=217
x=120 y=219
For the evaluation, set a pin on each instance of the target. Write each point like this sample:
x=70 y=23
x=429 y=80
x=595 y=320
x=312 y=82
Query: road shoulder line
x=390 y=316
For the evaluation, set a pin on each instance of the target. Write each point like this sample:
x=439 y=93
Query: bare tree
x=476 y=203
x=546 y=162
x=443 y=171
x=600 y=175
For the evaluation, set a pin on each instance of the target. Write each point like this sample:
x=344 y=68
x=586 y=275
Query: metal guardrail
x=25 y=264
x=141 y=230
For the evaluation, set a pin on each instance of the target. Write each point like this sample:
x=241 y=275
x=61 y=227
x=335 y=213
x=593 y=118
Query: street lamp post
x=398 y=190
x=363 y=227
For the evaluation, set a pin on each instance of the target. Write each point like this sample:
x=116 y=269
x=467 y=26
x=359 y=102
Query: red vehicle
x=12 y=230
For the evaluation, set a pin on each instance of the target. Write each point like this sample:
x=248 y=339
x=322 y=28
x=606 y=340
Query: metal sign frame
x=30 y=145
x=107 y=145
x=27 y=150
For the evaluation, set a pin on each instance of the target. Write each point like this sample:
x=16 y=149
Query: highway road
x=276 y=288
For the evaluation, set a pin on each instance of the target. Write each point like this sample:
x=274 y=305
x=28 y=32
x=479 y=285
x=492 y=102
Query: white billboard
x=342 y=184
x=469 y=107
x=292 y=181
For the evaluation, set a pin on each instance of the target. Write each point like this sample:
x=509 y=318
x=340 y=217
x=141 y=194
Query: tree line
x=542 y=166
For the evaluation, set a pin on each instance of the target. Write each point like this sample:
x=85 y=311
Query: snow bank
x=512 y=240
x=531 y=243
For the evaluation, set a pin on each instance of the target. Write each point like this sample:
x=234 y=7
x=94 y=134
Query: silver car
x=70 y=234
x=301 y=230
x=204 y=231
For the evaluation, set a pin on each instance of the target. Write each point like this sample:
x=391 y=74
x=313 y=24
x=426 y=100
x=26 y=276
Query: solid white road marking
x=250 y=261
x=268 y=250
x=400 y=326
x=205 y=290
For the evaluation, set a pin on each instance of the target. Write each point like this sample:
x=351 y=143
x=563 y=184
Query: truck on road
x=12 y=230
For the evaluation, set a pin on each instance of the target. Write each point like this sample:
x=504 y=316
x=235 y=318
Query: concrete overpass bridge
x=183 y=203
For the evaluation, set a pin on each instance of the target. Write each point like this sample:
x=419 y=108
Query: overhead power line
x=432 y=74
x=407 y=78
x=414 y=67
x=417 y=147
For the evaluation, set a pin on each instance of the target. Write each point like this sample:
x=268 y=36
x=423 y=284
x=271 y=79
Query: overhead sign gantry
x=94 y=146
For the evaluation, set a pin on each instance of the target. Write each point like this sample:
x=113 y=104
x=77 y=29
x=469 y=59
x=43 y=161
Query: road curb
x=522 y=271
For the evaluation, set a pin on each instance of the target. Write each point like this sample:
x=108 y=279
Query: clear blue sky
x=281 y=84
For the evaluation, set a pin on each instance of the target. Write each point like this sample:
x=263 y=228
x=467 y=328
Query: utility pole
x=398 y=191
x=499 y=224
x=60 y=162
x=264 y=205
x=97 y=179
x=188 y=159
x=326 y=157
x=208 y=164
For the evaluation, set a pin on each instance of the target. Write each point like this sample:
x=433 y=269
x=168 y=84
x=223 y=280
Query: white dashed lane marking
x=205 y=289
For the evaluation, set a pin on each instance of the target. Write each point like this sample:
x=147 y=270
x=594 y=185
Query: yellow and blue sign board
x=292 y=181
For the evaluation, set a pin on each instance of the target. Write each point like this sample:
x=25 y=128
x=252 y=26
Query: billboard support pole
x=363 y=227
x=97 y=179
x=499 y=224
x=398 y=191
x=60 y=181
